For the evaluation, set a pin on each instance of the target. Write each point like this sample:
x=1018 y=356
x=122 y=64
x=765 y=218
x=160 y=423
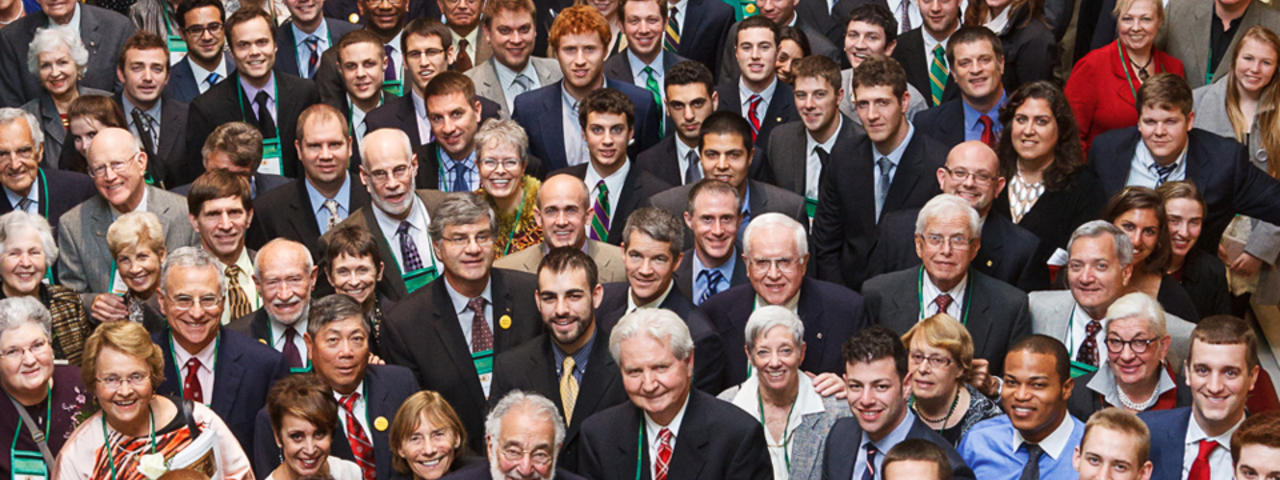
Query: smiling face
x=779 y=11
x=324 y=149
x=1034 y=130
x=82 y=131
x=355 y=277
x=139 y=267
x=864 y=39
x=511 y=34
x=946 y=247
x=496 y=178
x=1130 y=367
x=1220 y=381
x=126 y=405
x=284 y=281
x=22 y=263
x=1255 y=65
x=562 y=211
x=384 y=18
x=776 y=357
x=929 y=381
x=1164 y=131
x=121 y=188
x=339 y=353
x=195 y=327
x=303 y=447
x=650 y=266
x=1095 y=275
x=470 y=261
x=969 y=161
x=643 y=24
x=877 y=395
x=788 y=52
x=144 y=75
x=26 y=360
x=525 y=448
x=59 y=10
x=1136 y=27
x=429 y=449
x=1142 y=225
x=941 y=17
x=1186 y=217
x=757 y=55
x=424 y=57
x=221 y=224
x=977 y=71
x=581 y=57
x=253 y=49
x=655 y=380
x=304 y=11
x=775 y=267
x=206 y=46
x=1110 y=454
x=362 y=66
x=1033 y=395
x=607 y=135
x=568 y=304
x=714 y=220
x=21 y=169
x=818 y=103
x=725 y=157
x=57 y=71
x=454 y=122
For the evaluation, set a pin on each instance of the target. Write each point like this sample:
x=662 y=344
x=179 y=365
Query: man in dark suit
x=1008 y=251
x=798 y=150
x=338 y=342
x=236 y=147
x=714 y=215
x=947 y=241
x=102 y=31
x=448 y=162
x=607 y=120
x=570 y=364
x=922 y=51
x=522 y=421
x=644 y=63
x=305 y=36
x=1164 y=148
x=220 y=211
x=690 y=97
x=205 y=64
x=26 y=185
x=977 y=66
x=887 y=171
x=822 y=17
x=777 y=255
x=361 y=62
x=204 y=362
x=469 y=46
x=755 y=93
x=386 y=21
x=160 y=123
x=547 y=114
x=782 y=13
x=284 y=274
x=707 y=438
x=255 y=94
x=1222 y=370
x=701 y=28
x=449 y=331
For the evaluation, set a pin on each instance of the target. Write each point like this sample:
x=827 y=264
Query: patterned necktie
x=213 y=78
x=651 y=84
x=692 y=171
x=266 y=124
x=600 y=213
x=390 y=72
x=460 y=183
x=408 y=249
x=1031 y=471
x=1163 y=172
x=236 y=298
x=25 y=205
x=712 y=279
x=988 y=131
x=882 y=185
x=361 y=447
x=753 y=116
x=144 y=123
x=1200 y=467
x=481 y=335
x=904 y=17
x=292 y=358
x=943 y=301
x=937 y=75
x=523 y=83
x=463 y=61
x=671 y=40
x=1089 y=347
x=664 y=455
x=313 y=43
x=870 y=472
x=568 y=388
x=332 y=206
x=191 y=389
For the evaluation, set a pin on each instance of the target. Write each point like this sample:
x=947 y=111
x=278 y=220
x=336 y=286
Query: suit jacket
x=287 y=54
x=945 y=122
x=183 y=84
x=845 y=224
x=485 y=77
x=705 y=32
x=422 y=332
x=262 y=183
x=787 y=157
x=167 y=163
x=1030 y=49
x=716 y=441
x=392 y=284
x=831 y=314
x=685 y=278
x=385 y=388
x=910 y=53
x=709 y=355
x=429 y=166
x=819 y=44
x=72 y=189
x=1058 y=212
x=1051 y=311
x=1190 y=19
x=609 y=262
x=845 y=439
x=618 y=67
x=397 y=112
x=1168 y=437
x=55 y=135
x=222 y=104
x=638 y=186
x=287 y=212
x=996 y=317
x=539 y=112
x=661 y=161
x=822 y=18
x=765 y=198
x=480 y=471
x=243 y=372
x=103 y=33
x=1204 y=278
x=782 y=108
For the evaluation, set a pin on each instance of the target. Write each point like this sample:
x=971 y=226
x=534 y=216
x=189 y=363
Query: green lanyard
x=17 y=431
x=1125 y=66
x=106 y=441
x=173 y=350
x=275 y=88
x=968 y=297
x=1208 y=68
x=640 y=450
x=1077 y=368
x=786 y=439
x=514 y=225
x=43 y=207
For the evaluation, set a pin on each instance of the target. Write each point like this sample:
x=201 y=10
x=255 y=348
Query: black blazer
x=1030 y=50
x=705 y=31
x=787 y=158
x=845 y=224
x=168 y=164
x=1218 y=166
x=397 y=112
x=945 y=122
x=716 y=441
x=1168 y=436
x=183 y=84
x=386 y=387
x=782 y=108
x=845 y=439
x=287 y=54
x=910 y=53
x=243 y=373
x=684 y=273
x=618 y=67
x=997 y=312
x=709 y=356
x=1204 y=278
x=262 y=183
x=638 y=186
x=71 y=189
x=103 y=33
x=221 y=104
x=816 y=15
x=286 y=212
x=1058 y=212
x=539 y=112
x=422 y=332
x=660 y=160
x=255 y=325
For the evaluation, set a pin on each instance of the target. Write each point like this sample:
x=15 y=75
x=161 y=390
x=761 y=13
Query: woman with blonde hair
x=940 y=357
x=427 y=438
x=136 y=242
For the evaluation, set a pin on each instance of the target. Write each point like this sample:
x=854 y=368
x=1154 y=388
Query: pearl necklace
x=1130 y=404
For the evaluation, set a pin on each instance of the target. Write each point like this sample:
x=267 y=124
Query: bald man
x=282 y=319
x=563 y=213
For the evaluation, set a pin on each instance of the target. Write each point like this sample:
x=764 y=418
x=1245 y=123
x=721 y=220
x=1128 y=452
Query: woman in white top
x=304 y=415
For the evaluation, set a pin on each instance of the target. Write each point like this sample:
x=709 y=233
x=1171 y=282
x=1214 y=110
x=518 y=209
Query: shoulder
x=831 y=292
x=990 y=428
x=258 y=353
x=881 y=283
x=998 y=287
x=391 y=374
x=514 y=278
x=111 y=18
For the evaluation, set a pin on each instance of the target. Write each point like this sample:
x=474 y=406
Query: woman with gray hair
x=41 y=396
x=58 y=58
x=795 y=417
x=502 y=156
x=27 y=253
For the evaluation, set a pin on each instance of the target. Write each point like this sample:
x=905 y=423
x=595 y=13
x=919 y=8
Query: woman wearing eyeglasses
x=27 y=250
x=137 y=434
x=941 y=360
x=49 y=396
x=1137 y=374
x=501 y=158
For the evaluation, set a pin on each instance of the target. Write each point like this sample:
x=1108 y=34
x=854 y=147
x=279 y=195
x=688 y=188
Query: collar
x=746 y=200
x=470 y=38
x=614 y=181
x=317 y=199
x=507 y=76
x=744 y=93
x=1104 y=382
x=656 y=303
x=896 y=436
x=277 y=328
x=971 y=114
x=792 y=304
x=725 y=268
x=206 y=355
x=460 y=300
x=419 y=104
x=300 y=37
x=580 y=357
x=1056 y=443
x=418 y=219
x=637 y=65
x=895 y=156
x=571 y=103
x=32 y=194
x=142 y=205
x=931 y=291
x=201 y=74
x=1000 y=22
x=652 y=427
x=1195 y=434
x=154 y=111
x=811 y=142
x=251 y=92
x=807 y=400
x=1148 y=161
x=75 y=17
x=468 y=162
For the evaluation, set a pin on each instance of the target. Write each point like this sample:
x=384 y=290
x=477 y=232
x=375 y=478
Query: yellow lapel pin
x=380 y=423
x=505 y=322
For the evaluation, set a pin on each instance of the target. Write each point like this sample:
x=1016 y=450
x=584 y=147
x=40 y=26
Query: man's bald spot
x=560 y=184
x=112 y=144
x=975 y=149
x=385 y=142
x=281 y=246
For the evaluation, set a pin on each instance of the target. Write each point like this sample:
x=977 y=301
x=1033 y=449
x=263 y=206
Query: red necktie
x=361 y=447
x=988 y=133
x=291 y=355
x=1089 y=347
x=664 y=455
x=191 y=385
x=753 y=116
x=1200 y=467
x=943 y=302
x=481 y=335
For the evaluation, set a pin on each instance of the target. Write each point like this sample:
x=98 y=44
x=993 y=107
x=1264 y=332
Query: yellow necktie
x=568 y=389
x=237 y=301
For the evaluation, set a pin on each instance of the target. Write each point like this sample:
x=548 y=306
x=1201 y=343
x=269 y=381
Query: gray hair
x=497 y=132
x=47 y=39
x=657 y=323
x=460 y=208
x=946 y=204
x=330 y=309
x=308 y=260
x=659 y=225
x=764 y=319
x=1098 y=228
x=191 y=257
x=519 y=398
x=13 y=222
x=11 y=114
x=402 y=139
x=1139 y=305
x=18 y=311
x=770 y=221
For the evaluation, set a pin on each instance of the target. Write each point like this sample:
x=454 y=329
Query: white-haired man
x=523 y=435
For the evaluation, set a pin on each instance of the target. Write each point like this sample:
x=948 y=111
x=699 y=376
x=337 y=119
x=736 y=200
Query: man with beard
x=523 y=434
x=221 y=211
x=205 y=64
x=285 y=275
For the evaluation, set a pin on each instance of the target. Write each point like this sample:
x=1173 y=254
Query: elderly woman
x=1138 y=374
x=138 y=434
x=1199 y=272
x=427 y=438
x=795 y=417
x=27 y=250
x=941 y=357
x=87 y=115
x=1030 y=51
x=304 y=415
x=1139 y=211
x=136 y=242
x=503 y=156
x=352 y=265
x=1103 y=86
x=58 y=58
x=49 y=396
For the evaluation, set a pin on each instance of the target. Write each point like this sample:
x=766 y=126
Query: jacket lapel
x=596 y=380
x=503 y=339
x=226 y=377
x=688 y=458
x=393 y=282
x=304 y=217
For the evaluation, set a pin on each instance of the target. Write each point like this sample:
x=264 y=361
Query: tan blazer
x=608 y=260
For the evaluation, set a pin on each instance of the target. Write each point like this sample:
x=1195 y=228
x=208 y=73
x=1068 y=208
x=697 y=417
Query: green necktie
x=652 y=85
x=671 y=40
x=938 y=75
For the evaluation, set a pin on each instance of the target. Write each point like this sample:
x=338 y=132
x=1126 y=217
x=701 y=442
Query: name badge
x=394 y=87
x=177 y=48
x=272 y=159
x=29 y=466
x=483 y=362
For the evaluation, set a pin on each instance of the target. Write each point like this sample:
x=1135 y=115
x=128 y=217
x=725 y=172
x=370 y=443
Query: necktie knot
x=403 y=229
x=1207 y=447
x=476 y=305
x=24 y=204
x=568 y=365
x=232 y=272
x=193 y=363
x=1163 y=172
x=943 y=301
x=349 y=402
x=262 y=97
x=213 y=78
x=664 y=435
x=313 y=42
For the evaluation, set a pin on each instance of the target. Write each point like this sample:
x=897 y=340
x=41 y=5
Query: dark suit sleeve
x=11 y=77
x=266 y=457
x=1256 y=193
x=709 y=356
x=396 y=353
x=589 y=462
x=751 y=458
x=199 y=126
x=828 y=233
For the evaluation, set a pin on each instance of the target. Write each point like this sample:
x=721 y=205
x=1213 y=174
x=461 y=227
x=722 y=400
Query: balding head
x=388 y=171
x=118 y=167
x=386 y=143
x=562 y=210
x=285 y=274
x=972 y=172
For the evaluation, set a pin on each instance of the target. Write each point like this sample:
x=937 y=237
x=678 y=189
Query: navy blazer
x=243 y=372
x=705 y=30
x=782 y=109
x=387 y=386
x=287 y=54
x=945 y=123
x=910 y=53
x=1168 y=437
x=1219 y=167
x=709 y=357
x=684 y=273
x=845 y=439
x=398 y=112
x=540 y=111
x=183 y=84
x=831 y=314
x=71 y=189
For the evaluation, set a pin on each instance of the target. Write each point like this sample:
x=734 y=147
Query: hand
x=1245 y=265
x=828 y=384
x=1222 y=254
x=981 y=378
x=376 y=360
x=108 y=307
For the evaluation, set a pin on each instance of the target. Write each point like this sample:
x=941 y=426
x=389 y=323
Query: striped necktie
x=600 y=213
x=361 y=447
x=671 y=40
x=938 y=75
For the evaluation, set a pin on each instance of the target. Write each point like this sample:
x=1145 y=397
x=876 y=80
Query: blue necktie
x=713 y=278
x=870 y=472
x=460 y=178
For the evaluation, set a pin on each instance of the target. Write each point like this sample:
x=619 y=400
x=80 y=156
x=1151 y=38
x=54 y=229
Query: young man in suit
x=644 y=63
x=220 y=212
x=877 y=386
x=755 y=93
x=27 y=186
x=690 y=97
x=1255 y=447
x=508 y=27
x=102 y=31
x=886 y=171
x=681 y=433
x=523 y=421
x=237 y=148
x=977 y=67
x=1221 y=371
x=871 y=30
x=388 y=20
x=255 y=94
x=714 y=215
x=469 y=47
x=1205 y=34
x=1037 y=382
x=284 y=274
x=782 y=13
x=159 y=122
x=564 y=212
x=306 y=35
x=1116 y=445
x=947 y=241
x=453 y=110
x=922 y=51
x=205 y=362
x=697 y=30
x=579 y=37
x=205 y=64
x=338 y=343
x=361 y=61
x=449 y=331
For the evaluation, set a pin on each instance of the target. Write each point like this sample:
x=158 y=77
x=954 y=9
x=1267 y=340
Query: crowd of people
x=650 y=239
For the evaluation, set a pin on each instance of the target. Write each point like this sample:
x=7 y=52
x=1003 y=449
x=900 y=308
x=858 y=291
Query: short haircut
x=972 y=34
x=576 y=20
x=142 y=40
x=662 y=7
x=215 y=184
x=943 y=332
x=776 y=221
x=658 y=324
x=496 y=132
x=492 y=8
x=1182 y=189
x=1165 y=91
x=246 y=14
x=879 y=71
x=13 y=114
x=686 y=72
x=563 y=259
x=874 y=343
x=424 y=405
x=449 y=82
x=758 y=21
x=129 y=338
x=1226 y=330
x=1122 y=421
x=189 y=5
x=426 y=27
x=332 y=308
x=318 y=112
x=920 y=450
x=946 y=204
x=659 y=225
x=520 y=399
x=356 y=37
x=818 y=66
x=303 y=396
x=47 y=39
x=18 y=220
x=135 y=229
x=1138 y=305
x=606 y=100
x=240 y=141
x=192 y=257
x=1143 y=198
x=765 y=318
x=878 y=15
x=725 y=122
x=18 y=311
x=1258 y=429
x=1098 y=228
x=1046 y=345
x=710 y=186
x=460 y=208
x=352 y=239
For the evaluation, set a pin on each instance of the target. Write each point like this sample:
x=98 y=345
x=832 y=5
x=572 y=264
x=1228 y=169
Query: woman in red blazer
x=1103 y=85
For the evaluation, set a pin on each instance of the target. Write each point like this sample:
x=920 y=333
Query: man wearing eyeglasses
x=284 y=274
x=26 y=184
x=200 y=24
x=946 y=243
x=521 y=435
x=85 y=264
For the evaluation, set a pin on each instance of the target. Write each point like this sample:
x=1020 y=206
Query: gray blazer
x=608 y=260
x=1051 y=309
x=786 y=154
x=55 y=135
x=915 y=103
x=1190 y=19
x=809 y=442
x=485 y=76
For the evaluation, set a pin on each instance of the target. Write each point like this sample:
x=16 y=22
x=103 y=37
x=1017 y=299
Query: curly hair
x=1068 y=153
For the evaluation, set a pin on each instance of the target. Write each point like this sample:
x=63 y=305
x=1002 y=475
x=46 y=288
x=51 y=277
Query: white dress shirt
x=766 y=96
x=813 y=164
x=1142 y=171
x=575 y=144
x=420 y=115
x=207 y=357
x=931 y=292
x=614 y=182
x=1076 y=333
x=681 y=8
x=682 y=159
x=418 y=220
x=278 y=338
x=1220 y=467
x=361 y=410
x=397 y=56
x=202 y=76
x=651 y=429
x=929 y=44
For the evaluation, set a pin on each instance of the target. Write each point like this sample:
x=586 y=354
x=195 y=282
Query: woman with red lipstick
x=1139 y=211
x=502 y=155
x=136 y=243
x=27 y=250
x=58 y=58
x=304 y=416
x=940 y=355
x=427 y=438
x=1199 y=272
